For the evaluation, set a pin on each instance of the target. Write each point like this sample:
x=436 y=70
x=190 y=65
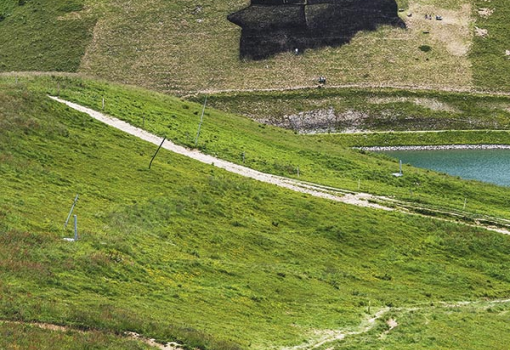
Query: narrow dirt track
x=321 y=338
x=129 y=335
x=331 y=336
x=416 y=87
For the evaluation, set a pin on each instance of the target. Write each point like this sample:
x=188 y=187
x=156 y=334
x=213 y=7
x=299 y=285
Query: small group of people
x=429 y=17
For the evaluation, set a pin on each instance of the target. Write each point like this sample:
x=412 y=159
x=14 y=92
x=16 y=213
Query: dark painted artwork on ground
x=273 y=26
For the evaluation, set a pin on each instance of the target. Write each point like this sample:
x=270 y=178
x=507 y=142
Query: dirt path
x=329 y=336
x=129 y=335
x=359 y=199
x=353 y=86
x=188 y=94
x=321 y=191
x=324 y=337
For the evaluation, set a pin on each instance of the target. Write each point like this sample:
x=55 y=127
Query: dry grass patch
x=430 y=103
x=173 y=47
x=451 y=33
x=485 y=12
x=481 y=32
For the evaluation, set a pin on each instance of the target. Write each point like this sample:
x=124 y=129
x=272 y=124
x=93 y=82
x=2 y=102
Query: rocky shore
x=430 y=148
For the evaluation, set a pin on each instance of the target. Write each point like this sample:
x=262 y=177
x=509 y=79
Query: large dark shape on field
x=273 y=26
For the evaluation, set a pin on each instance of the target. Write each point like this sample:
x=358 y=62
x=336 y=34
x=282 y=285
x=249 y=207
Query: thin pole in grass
x=155 y=154
x=71 y=211
x=200 y=124
x=75 y=227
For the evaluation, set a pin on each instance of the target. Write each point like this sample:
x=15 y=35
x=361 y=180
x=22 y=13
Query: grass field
x=187 y=252
x=190 y=253
x=184 y=46
x=43 y=36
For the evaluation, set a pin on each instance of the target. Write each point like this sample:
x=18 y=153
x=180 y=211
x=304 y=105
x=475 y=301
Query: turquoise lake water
x=485 y=165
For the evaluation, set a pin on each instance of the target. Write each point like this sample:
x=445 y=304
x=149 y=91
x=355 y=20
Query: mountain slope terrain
x=183 y=46
x=189 y=253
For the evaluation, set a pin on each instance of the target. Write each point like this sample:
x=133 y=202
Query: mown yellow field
x=183 y=46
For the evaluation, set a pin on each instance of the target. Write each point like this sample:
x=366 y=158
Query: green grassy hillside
x=187 y=252
x=275 y=150
x=191 y=253
x=183 y=46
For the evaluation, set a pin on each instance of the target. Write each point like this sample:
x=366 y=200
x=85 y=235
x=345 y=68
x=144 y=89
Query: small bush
x=425 y=48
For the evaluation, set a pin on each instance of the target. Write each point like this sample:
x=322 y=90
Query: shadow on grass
x=273 y=26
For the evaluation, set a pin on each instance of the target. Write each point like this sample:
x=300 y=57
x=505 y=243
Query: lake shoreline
x=431 y=148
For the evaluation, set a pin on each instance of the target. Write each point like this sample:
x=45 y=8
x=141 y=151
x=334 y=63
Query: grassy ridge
x=386 y=115
x=275 y=150
x=371 y=109
x=190 y=253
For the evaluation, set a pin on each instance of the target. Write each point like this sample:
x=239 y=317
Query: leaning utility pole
x=70 y=212
x=155 y=154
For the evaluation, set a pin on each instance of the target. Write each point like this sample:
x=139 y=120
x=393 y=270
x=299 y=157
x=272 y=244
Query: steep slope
x=190 y=253
x=274 y=150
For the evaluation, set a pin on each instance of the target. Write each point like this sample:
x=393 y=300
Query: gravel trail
x=359 y=199
x=335 y=194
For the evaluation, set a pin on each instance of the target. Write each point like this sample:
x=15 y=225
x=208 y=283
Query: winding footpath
x=335 y=194
x=330 y=337
x=318 y=339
